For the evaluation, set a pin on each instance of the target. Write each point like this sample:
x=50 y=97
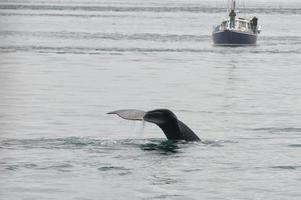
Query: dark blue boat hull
x=230 y=38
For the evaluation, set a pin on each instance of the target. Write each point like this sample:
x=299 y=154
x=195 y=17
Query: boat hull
x=234 y=38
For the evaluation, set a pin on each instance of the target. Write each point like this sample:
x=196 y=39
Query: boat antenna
x=233 y=5
x=244 y=2
x=228 y=6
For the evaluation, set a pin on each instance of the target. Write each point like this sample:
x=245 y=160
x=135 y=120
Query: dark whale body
x=173 y=128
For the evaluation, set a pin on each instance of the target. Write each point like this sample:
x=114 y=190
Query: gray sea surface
x=65 y=63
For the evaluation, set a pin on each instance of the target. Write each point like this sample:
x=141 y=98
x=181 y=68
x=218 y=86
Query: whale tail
x=173 y=128
x=129 y=114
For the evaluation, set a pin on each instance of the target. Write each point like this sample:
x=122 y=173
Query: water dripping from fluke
x=141 y=130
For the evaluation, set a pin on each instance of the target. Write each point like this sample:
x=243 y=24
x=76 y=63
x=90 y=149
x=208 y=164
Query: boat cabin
x=240 y=25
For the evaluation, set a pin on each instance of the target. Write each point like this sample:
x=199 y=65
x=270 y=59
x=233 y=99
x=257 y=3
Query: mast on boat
x=232 y=13
x=231 y=5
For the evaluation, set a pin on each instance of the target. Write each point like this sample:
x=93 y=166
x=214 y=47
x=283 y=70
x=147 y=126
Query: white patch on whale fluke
x=129 y=114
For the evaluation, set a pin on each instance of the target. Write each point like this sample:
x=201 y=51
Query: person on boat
x=232 y=16
x=254 y=22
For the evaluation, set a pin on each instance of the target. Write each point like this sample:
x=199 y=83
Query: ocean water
x=65 y=64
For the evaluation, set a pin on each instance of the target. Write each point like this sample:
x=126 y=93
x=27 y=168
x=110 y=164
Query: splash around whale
x=173 y=128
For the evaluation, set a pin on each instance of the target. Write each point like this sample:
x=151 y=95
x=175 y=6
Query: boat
x=235 y=31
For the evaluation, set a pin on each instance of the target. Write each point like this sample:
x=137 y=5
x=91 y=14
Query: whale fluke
x=129 y=114
x=173 y=128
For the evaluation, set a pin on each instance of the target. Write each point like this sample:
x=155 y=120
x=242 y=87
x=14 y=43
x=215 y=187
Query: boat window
x=237 y=24
x=224 y=25
x=242 y=24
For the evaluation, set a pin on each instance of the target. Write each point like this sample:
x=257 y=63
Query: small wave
x=163 y=180
x=112 y=168
x=93 y=51
x=46 y=143
x=66 y=15
x=64 y=167
x=154 y=9
x=276 y=129
x=276 y=51
x=281 y=38
x=295 y=145
x=96 y=145
x=74 y=143
x=108 y=36
x=12 y=167
x=167 y=146
x=288 y=167
x=218 y=143
x=87 y=50
x=169 y=196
